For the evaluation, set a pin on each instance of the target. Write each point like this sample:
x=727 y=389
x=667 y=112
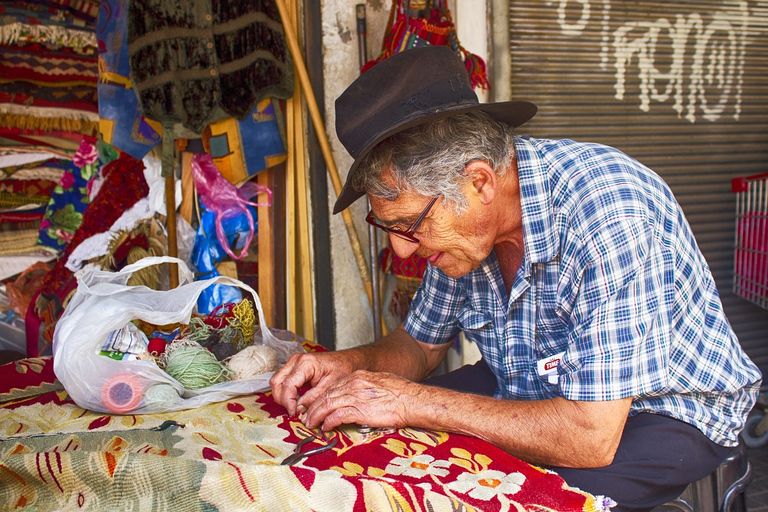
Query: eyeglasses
x=405 y=234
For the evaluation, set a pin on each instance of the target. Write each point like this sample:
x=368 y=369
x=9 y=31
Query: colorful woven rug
x=48 y=72
x=226 y=456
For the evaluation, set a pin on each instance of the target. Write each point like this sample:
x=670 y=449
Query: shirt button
x=208 y=17
x=213 y=72
x=209 y=44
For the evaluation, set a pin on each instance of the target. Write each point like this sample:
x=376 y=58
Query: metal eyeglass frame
x=407 y=234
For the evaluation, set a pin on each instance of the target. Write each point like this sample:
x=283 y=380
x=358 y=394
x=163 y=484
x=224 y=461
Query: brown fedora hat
x=410 y=88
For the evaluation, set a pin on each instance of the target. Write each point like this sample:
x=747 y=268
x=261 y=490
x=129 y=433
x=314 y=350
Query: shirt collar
x=541 y=241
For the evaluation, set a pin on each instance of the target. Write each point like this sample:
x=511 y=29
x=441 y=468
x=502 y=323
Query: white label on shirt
x=547 y=367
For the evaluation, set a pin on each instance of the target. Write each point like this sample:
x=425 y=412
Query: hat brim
x=512 y=113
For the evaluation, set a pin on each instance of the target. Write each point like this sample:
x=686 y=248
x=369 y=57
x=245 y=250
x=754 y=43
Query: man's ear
x=483 y=180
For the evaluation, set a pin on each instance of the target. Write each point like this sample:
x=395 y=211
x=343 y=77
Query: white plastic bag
x=102 y=304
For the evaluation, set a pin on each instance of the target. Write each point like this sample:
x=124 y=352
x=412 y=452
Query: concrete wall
x=354 y=321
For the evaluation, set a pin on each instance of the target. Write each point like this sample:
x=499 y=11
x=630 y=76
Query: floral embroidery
x=418 y=466
x=54 y=455
x=488 y=484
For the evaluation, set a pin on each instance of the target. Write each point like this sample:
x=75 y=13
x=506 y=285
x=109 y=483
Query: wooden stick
x=187 y=187
x=325 y=147
x=304 y=267
x=170 y=208
x=168 y=164
x=268 y=284
x=290 y=214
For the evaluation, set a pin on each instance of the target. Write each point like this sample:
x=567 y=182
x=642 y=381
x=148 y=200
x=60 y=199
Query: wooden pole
x=168 y=165
x=170 y=207
x=325 y=147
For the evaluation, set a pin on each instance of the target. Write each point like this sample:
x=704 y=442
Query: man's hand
x=397 y=353
x=366 y=398
x=318 y=370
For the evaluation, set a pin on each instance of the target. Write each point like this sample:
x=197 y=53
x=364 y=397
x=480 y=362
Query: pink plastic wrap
x=224 y=199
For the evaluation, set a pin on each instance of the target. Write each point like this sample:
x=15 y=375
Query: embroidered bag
x=436 y=28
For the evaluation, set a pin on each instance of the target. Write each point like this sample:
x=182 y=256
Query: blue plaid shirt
x=613 y=277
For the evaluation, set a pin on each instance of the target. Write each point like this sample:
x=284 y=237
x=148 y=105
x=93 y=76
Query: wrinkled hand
x=366 y=398
x=319 y=370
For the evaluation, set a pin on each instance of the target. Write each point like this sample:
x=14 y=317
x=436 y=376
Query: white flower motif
x=418 y=466
x=488 y=484
x=604 y=503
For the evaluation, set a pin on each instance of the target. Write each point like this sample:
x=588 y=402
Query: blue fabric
x=67 y=204
x=613 y=277
x=208 y=252
x=121 y=122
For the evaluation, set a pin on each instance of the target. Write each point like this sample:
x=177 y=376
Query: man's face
x=456 y=244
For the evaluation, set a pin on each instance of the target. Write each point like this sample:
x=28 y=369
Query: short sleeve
x=434 y=310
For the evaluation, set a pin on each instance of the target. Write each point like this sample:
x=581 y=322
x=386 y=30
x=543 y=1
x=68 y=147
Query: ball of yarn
x=223 y=350
x=195 y=367
x=156 y=346
x=253 y=361
x=161 y=394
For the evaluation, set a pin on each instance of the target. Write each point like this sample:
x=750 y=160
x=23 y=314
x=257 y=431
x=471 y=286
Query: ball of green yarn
x=196 y=367
x=160 y=394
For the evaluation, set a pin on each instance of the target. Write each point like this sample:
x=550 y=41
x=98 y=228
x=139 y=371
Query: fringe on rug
x=31 y=122
x=78 y=40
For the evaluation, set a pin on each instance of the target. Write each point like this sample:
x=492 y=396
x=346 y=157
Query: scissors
x=297 y=454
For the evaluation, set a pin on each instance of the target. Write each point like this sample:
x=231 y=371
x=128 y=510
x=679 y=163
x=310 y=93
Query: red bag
x=436 y=29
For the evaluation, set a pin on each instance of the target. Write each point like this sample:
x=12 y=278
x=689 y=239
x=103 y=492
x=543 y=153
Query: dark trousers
x=657 y=457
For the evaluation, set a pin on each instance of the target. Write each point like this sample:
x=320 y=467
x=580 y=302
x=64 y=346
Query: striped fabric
x=612 y=277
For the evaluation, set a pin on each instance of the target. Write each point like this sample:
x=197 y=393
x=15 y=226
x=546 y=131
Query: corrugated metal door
x=680 y=85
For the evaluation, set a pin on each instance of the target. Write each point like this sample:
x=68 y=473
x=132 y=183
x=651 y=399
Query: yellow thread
x=244 y=320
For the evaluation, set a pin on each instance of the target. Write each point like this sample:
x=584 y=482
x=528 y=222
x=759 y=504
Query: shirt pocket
x=471 y=320
x=551 y=340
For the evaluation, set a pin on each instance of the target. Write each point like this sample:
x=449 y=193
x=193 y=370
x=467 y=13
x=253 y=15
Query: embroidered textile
x=242 y=149
x=200 y=61
x=47 y=89
x=48 y=72
x=123 y=186
x=408 y=272
x=120 y=120
x=226 y=456
x=67 y=203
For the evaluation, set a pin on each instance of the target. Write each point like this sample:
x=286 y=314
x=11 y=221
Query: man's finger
x=286 y=383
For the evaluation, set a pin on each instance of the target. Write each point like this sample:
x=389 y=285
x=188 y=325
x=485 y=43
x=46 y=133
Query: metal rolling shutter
x=680 y=85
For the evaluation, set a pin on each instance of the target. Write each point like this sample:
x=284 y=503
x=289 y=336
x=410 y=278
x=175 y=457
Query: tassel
x=477 y=71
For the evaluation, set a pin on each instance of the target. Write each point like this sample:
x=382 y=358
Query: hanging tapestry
x=120 y=120
x=242 y=149
x=69 y=198
x=196 y=65
x=124 y=184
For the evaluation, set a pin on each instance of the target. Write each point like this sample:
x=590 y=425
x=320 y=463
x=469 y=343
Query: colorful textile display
x=120 y=121
x=227 y=456
x=436 y=28
x=242 y=149
x=48 y=73
x=69 y=198
x=194 y=66
x=123 y=186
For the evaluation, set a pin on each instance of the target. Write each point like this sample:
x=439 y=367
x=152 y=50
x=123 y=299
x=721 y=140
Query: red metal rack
x=750 y=267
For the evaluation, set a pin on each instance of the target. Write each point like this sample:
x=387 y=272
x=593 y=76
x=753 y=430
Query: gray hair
x=428 y=159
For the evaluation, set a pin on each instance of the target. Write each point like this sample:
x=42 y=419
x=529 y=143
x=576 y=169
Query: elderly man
x=606 y=353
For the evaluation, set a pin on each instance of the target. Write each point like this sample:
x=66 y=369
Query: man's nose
x=402 y=247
